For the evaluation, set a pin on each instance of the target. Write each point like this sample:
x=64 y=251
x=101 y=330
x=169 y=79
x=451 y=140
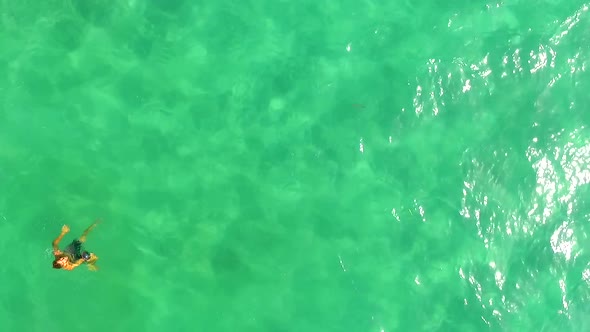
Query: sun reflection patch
x=561 y=169
x=562 y=241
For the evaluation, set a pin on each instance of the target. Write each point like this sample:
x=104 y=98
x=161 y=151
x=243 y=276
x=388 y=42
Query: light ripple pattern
x=296 y=165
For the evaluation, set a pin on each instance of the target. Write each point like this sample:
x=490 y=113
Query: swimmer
x=73 y=256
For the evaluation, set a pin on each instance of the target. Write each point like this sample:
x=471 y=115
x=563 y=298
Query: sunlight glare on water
x=297 y=165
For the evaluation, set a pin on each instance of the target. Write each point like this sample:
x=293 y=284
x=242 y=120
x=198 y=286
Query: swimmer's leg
x=83 y=237
x=92 y=262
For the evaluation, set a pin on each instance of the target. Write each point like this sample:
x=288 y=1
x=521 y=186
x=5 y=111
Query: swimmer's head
x=86 y=255
x=60 y=262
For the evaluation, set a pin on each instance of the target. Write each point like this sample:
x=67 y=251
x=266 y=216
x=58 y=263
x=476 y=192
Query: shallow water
x=296 y=166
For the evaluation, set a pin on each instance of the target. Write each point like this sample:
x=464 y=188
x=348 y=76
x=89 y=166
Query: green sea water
x=279 y=166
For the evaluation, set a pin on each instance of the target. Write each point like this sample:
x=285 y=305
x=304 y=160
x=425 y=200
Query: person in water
x=73 y=256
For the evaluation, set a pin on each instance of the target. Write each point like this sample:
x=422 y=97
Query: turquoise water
x=296 y=165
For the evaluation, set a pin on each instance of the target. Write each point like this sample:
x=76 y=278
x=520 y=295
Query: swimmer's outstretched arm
x=64 y=230
x=77 y=263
